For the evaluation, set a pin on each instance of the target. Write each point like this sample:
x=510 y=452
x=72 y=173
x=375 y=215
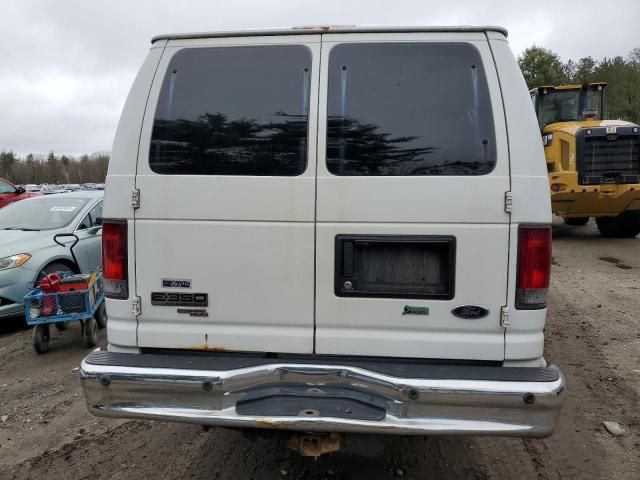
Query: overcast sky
x=66 y=65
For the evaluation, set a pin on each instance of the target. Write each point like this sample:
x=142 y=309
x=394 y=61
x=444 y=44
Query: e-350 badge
x=171 y=299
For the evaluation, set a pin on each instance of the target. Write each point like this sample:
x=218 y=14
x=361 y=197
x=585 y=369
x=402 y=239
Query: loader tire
x=625 y=225
x=576 y=221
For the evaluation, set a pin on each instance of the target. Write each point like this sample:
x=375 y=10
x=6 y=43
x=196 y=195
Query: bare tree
x=34 y=168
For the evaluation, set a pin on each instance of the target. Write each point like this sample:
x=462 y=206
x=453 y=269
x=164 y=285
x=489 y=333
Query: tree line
x=51 y=168
x=541 y=66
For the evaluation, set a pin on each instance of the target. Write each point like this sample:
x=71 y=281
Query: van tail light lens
x=114 y=259
x=534 y=267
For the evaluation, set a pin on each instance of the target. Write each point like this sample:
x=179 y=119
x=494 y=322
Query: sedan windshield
x=6 y=188
x=47 y=213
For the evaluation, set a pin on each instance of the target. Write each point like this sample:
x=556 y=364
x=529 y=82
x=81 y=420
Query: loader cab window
x=569 y=105
x=408 y=109
x=558 y=106
x=592 y=104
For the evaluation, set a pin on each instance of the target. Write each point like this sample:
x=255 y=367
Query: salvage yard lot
x=593 y=333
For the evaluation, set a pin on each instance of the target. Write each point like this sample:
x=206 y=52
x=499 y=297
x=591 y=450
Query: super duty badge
x=175 y=283
x=170 y=299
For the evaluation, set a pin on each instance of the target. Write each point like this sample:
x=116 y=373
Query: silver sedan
x=28 y=251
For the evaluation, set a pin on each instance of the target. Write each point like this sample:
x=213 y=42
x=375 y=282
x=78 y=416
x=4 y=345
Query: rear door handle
x=347 y=259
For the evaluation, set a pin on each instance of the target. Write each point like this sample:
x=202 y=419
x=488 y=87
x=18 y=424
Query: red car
x=9 y=193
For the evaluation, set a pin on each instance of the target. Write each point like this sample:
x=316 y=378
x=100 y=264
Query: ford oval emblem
x=470 y=312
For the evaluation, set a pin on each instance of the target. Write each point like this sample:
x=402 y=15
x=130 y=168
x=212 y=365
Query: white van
x=329 y=230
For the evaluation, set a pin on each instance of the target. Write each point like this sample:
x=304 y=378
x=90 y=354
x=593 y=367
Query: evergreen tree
x=541 y=66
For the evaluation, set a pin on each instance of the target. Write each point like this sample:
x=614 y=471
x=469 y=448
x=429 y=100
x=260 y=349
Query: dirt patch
x=610 y=259
x=618 y=263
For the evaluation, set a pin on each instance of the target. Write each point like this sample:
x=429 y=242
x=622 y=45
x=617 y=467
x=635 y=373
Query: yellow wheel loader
x=593 y=164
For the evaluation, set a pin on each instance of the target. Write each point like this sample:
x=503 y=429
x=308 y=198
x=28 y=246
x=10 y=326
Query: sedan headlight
x=14 y=261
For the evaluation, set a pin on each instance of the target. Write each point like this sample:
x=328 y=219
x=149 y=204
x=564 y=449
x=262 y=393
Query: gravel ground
x=593 y=333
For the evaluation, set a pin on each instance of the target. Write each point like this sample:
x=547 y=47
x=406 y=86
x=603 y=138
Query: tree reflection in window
x=213 y=143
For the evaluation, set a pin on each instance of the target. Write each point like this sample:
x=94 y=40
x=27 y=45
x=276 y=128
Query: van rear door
x=224 y=234
x=412 y=234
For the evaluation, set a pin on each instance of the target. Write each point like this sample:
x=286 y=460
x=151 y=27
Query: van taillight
x=534 y=267
x=114 y=259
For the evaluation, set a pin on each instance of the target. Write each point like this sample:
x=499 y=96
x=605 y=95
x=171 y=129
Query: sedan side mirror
x=20 y=190
x=99 y=221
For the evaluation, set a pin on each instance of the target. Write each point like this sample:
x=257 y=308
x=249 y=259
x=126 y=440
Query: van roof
x=316 y=29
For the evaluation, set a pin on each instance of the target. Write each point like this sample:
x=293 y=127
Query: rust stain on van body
x=206 y=347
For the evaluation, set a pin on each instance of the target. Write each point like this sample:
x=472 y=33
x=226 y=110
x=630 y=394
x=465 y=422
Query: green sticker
x=411 y=310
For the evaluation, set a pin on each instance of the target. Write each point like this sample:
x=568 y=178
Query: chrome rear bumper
x=324 y=394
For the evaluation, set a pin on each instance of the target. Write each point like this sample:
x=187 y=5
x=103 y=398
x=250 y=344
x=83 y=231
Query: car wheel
x=576 y=221
x=90 y=332
x=54 y=267
x=41 y=338
x=101 y=316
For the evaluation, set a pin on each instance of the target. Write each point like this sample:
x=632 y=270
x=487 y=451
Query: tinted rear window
x=408 y=109
x=233 y=111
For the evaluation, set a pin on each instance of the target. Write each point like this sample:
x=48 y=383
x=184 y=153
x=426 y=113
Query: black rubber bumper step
x=396 y=367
